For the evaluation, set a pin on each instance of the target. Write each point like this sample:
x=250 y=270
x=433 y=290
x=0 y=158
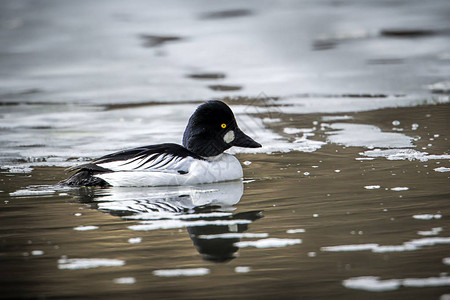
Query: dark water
x=347 y=199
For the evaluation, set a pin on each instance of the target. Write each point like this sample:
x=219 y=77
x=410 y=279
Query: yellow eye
x=223 y=125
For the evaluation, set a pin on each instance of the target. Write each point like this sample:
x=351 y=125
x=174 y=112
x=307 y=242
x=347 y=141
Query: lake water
x=347 y=199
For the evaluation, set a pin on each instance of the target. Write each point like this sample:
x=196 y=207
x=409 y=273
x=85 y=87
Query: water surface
x=347 y=198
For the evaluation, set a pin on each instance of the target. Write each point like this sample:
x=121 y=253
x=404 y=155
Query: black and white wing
x=171 y=158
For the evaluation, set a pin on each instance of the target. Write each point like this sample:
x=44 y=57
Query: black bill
x=243 y=140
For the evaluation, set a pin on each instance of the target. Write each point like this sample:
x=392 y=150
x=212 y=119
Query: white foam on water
x=361 y=135
x=446 y=260
x=19 y=193
x=271 y=141
x=181 y=272
x=395 y=248
x=37 y=252
x=305 y=145
x=318 y=104
x=440 y=87
x=171 y=224
x=426 y=282
x=88 y=263
x=411 y=245
x=242 y=269
x=442 y=169
x=429 y=241
x=269 y=243
x=346 y=248
x=125 y=280
x=403 y=154
x=136 y=240
x=374 y=284
x=371 y=283
x=427 y=216
x=312 y=254
x=289 y=130
x=336 y=118
x=292 y=231
x=364 y=158
x=324 y=126
x=433 y=231
x=271 y=120
x=372 y=187
x=400 y=188
x=18 y=169
x=434 y=157
x=85 y=228
x=233 y=236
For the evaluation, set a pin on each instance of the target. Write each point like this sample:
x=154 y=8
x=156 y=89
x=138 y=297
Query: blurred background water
x=348 y=198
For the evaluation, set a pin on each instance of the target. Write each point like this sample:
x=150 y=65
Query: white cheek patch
x=229 y=137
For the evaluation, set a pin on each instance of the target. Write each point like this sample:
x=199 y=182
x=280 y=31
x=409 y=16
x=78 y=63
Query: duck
x=211 y=130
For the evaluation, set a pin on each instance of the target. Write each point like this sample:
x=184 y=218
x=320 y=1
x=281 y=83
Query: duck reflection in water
x=205 y=210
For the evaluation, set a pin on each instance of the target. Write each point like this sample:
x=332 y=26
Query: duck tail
x=84 y=178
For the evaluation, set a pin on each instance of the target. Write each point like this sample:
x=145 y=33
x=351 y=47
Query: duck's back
x=155 y=165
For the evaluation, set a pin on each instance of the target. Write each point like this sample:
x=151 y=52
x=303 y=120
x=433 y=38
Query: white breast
x=223 y=167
